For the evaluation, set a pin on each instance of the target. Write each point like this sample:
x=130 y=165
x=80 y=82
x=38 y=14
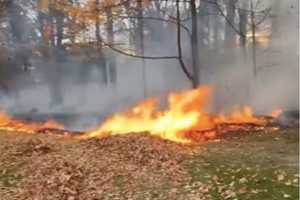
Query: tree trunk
x=102 y=63
x=52 y=28
x=140 y=29
x=140 y=43
x=127 y=8
x=253 y=29
x=195 y=47
x=229 y=32
x=243 y=22
x=275 y=19
x=179 y=48
x=111 y=63
x=215 y=23
x=59 y=17
x=204 y=28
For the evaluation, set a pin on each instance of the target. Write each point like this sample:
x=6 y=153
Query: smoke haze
x=229 y=71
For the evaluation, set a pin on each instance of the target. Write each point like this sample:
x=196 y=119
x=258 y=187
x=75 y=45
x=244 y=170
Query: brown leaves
x=134 y=166
x=58 y=179
x=35 y=145
x=125 y=167
x=243 y=190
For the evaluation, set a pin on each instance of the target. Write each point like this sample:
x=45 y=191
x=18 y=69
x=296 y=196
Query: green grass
x=9 y=177
x=258 y=182
x=261 y=167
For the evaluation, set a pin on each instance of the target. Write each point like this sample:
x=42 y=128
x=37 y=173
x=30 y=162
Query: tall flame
x=184 y=116
x=185 y=113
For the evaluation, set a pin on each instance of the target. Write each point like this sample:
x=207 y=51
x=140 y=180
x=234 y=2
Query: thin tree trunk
x=127 y=7
x=52 y=30
x=243 y=15
x=229 y=32
x=140 y=43
x=97 y=31
x=203 y=31
x=59 y=16
x=110 y=39
x=243 y=24
x=275 y=20
x=216 y=26
x=195 y=47
x=179 y=48
x=253 y=29
x=102 y=62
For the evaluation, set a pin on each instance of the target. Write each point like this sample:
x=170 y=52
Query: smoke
x=230 y=71
x=75 y=88
x=278 y=80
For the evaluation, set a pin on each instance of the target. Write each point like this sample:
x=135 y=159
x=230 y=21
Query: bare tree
x=179 y=48
x=229 y=32
x=195 y=44
x=243 y=21
x=253 y=36
x=140 y=42
x=111 y=62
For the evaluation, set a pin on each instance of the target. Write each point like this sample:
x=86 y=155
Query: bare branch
x=137 y=56
x=158 y=19
x=225 y=17
x=179 y=49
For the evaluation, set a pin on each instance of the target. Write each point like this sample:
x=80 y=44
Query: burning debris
x=9 y=124
x=185 y=120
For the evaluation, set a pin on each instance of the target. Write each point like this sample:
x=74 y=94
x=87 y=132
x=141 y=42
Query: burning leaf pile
x=184 y=120
x=9 y=124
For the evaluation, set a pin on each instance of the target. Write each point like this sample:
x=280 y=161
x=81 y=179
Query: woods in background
x=93 y=33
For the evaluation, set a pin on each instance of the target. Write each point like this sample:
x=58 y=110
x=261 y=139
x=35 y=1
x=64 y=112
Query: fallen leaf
x=243 y=180
x=286 y=195
x=280 y=177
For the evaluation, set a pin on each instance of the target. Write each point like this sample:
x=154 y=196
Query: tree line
x=107 y=28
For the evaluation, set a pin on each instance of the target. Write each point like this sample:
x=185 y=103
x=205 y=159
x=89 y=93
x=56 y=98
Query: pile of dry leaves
x=134 y=166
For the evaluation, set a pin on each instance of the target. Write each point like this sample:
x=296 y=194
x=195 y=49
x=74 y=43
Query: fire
x=183 y=113
x=7 y=123
x=186 y=112
x=185 y=119
x=239 y=116
x=276 y=113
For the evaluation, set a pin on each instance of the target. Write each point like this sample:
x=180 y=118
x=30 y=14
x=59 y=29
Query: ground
x=260 y=166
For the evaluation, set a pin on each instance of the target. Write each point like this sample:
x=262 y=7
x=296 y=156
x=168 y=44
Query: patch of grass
x=119 y=181
x=9 y=177
x=260 y=167
x=246 y=182
x=162 y=191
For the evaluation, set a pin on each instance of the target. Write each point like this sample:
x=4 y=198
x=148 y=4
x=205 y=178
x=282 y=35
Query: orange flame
x=276 y=113
x=184 y=119
x=9 y=124
x=185 y=113
x=239 y=116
